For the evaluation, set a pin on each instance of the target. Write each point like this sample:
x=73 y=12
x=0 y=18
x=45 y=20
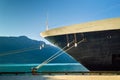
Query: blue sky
x=28 y=17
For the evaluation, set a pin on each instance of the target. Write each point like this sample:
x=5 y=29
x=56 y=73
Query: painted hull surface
x=97 y=43
x=100 y=50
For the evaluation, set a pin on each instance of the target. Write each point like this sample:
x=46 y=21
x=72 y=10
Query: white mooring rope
x=55 y=55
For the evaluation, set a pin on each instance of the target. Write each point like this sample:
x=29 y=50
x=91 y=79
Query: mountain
x=22 y=50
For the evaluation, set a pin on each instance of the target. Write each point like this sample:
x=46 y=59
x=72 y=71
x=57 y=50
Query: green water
x=56 y=67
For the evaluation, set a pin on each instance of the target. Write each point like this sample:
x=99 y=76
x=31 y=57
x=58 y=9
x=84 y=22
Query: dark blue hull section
x=100 y=50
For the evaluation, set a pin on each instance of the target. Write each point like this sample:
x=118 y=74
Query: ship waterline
x=100 y=48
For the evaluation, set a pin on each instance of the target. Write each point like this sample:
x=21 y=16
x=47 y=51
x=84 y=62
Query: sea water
x=52 y=67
